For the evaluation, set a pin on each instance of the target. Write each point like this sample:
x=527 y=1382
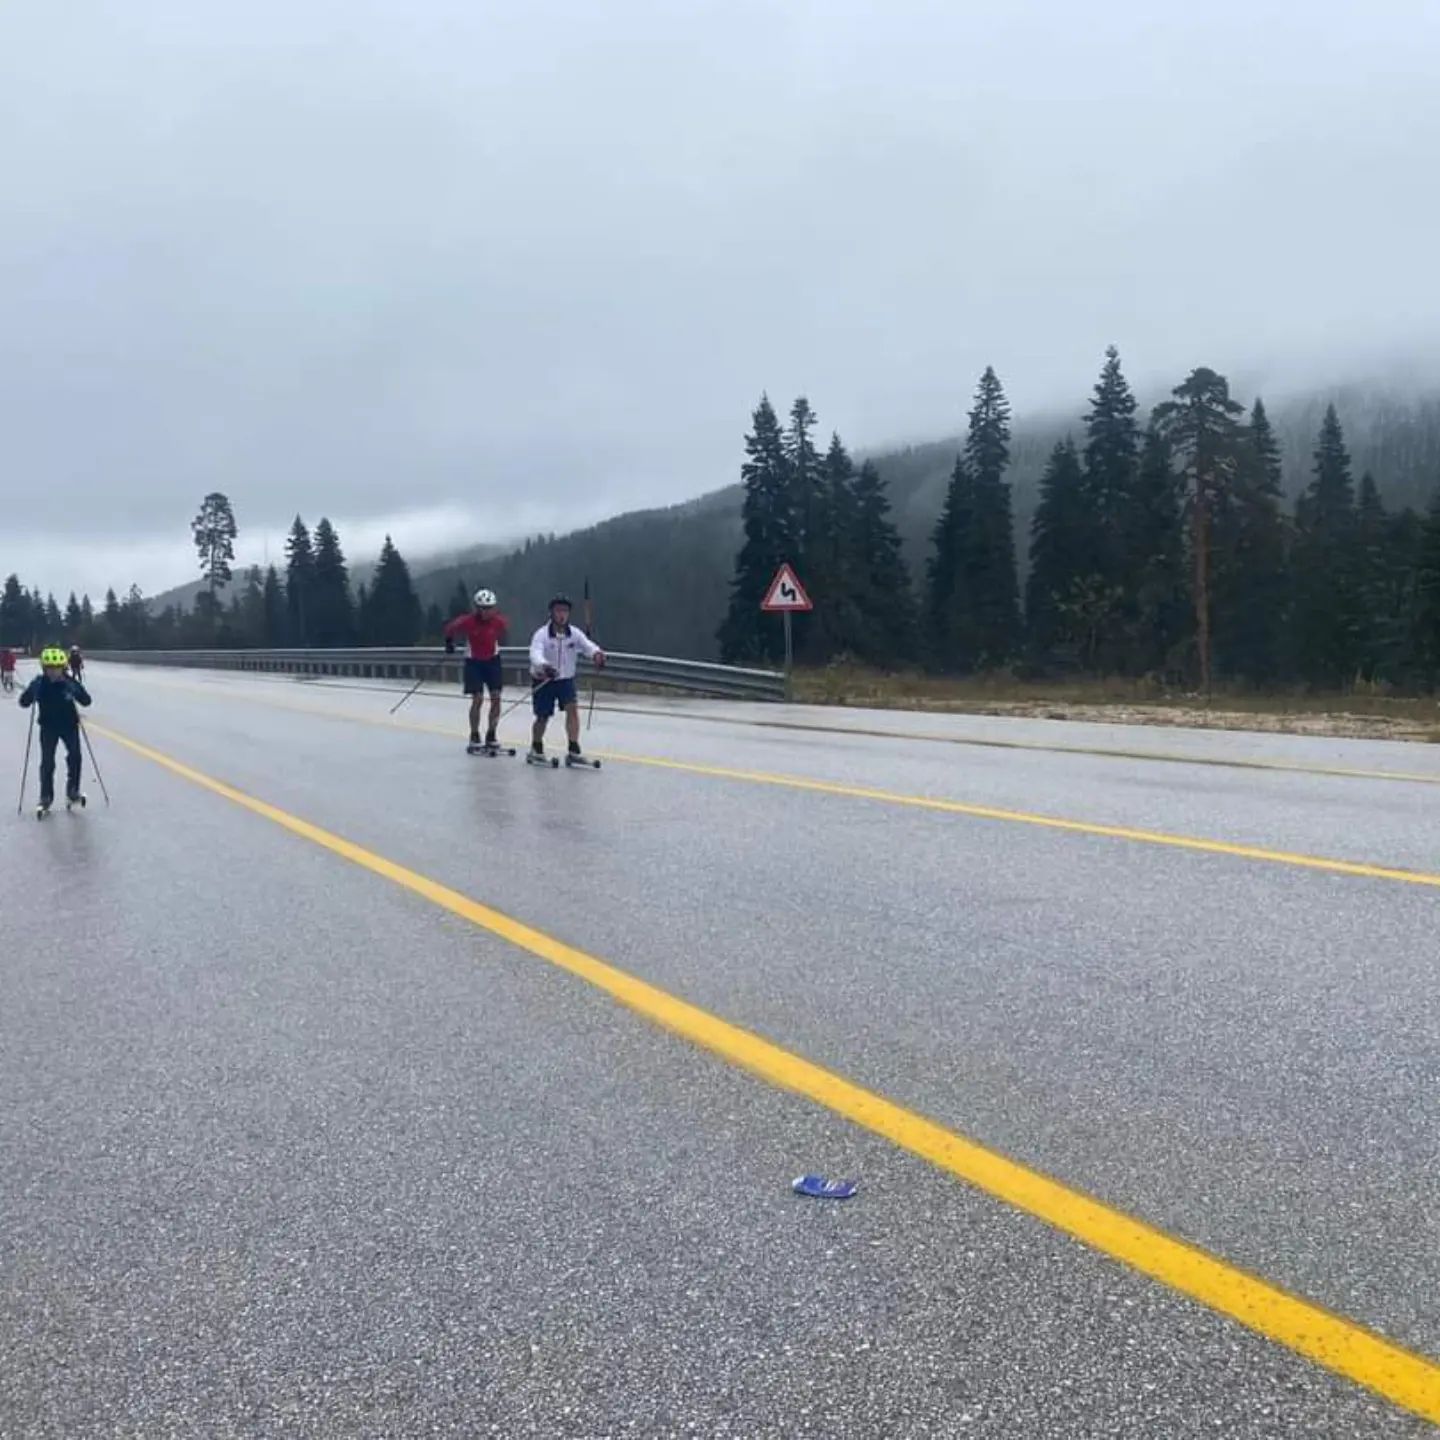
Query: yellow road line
x=1193 y=844
x=1102 y=752
x=1401 y=1376
x=1048 y=822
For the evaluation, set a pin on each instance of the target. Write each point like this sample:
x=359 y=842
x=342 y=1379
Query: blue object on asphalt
x=819 y=1188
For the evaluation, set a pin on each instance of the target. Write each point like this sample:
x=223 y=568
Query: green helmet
x=53 y=655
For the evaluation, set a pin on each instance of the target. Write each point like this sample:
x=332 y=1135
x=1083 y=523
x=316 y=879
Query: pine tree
x=73 y=618
x=1251 y=586
x=135 y=617
x=978 y=622
x=111 y=617
x=1199 y=425
x=15 y=618
x=888 y=627
x=274 y=619
x=1064 y=561
x=831 y=561
x=806 y=480
x=54 y=620
x=434 y=622
x=1112 y=449
x=1158 y=612
x=332 y=607
x=947 y=602
x=394 y=617
x=1326 y=601
x=299 y=583
x=249 y=607
x=747 y=634
x=214 y=532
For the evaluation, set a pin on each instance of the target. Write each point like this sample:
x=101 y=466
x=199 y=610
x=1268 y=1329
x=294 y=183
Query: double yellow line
x=1399 y=1375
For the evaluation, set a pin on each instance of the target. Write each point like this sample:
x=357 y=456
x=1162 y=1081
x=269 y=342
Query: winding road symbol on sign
x=786 y=592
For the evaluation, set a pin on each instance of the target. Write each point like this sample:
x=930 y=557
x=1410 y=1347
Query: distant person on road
x=76 y=662
x=56 y=694
x=484 y=627
x=555 y=652
x=7 y=667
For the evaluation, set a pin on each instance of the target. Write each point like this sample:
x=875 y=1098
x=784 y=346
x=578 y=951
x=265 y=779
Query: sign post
x=785 y=596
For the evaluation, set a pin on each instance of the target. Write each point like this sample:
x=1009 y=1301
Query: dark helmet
x=561 y=599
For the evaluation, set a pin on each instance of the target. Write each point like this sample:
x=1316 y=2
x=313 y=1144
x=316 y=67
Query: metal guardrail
x=694 y=677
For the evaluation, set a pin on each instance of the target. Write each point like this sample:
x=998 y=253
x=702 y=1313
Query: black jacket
x=56 y=699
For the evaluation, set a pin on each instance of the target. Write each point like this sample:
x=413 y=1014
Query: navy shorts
x=483 y=675
x=546 y=697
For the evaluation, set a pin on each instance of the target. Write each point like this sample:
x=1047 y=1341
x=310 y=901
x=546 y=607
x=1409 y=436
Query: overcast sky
x=467 y=269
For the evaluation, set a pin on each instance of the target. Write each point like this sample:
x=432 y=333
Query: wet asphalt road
x=287 y=1150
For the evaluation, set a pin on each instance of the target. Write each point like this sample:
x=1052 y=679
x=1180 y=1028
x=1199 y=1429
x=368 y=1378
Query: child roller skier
x=56 y=694
x=7 y=668
x=484 y=628
x=555 y=652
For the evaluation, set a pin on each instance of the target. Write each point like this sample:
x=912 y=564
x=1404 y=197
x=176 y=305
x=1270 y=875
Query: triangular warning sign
x=786 y=592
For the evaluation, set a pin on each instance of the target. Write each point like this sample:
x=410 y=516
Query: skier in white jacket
x=555 y=652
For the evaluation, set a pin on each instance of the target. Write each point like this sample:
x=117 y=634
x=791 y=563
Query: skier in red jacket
x=484 y=627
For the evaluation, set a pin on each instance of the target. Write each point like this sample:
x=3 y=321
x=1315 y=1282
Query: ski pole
x=406 y=696
x=534 y=691
x=85 y=735
x=25 y=768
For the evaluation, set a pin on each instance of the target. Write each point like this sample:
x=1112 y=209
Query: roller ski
x=71 y=801
x=539 y=757
x=488 y=746
x=42 y=810
x=574 y=759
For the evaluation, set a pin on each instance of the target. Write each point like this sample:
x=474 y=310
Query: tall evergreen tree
x=15 y=621
x=434 y=622
x=332 y=606
x=214 y=532
x=54 y=620
x=806 y=479
x=1199 y=425
x=1112 y=451
x=769 y=540
x=274 y=620
x=73 y=618
x=111 y=617
x=1063 y=555
x=394 y=617
x=1251 y=587
x=299 y=583
x=831 y=561
x=134 y=618
x=947 y=602
x=249 y=619
x=1157 y=624
x=888 y=626
x=988 y=622
x=1326 y=601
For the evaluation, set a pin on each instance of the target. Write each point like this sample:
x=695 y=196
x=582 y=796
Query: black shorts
x=483 y=675
x=544 y=698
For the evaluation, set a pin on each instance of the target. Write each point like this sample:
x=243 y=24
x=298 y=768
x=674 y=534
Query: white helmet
x=485 y=599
